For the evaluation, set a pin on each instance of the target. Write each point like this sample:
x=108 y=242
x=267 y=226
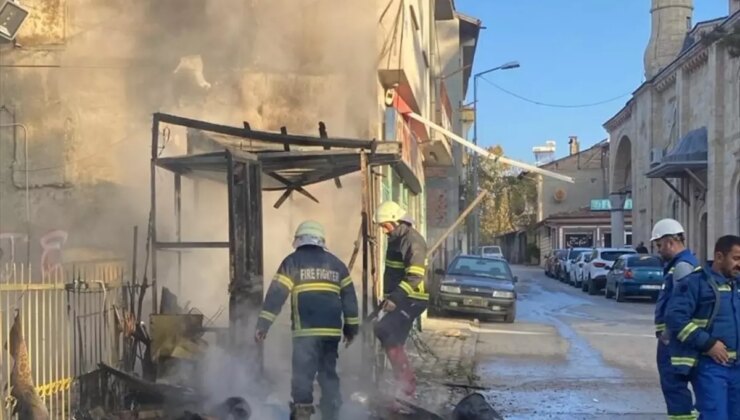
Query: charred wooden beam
x=263 y=135
x=323 y=135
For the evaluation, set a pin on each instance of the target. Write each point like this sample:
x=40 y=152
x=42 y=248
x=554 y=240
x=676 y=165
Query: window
x=674 y=208
x=613 y=255
x=482 y=267
x=644 y=261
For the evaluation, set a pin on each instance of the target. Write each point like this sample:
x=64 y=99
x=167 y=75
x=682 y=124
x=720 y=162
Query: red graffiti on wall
x=51 y=245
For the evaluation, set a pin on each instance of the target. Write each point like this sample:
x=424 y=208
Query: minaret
x=671 y=20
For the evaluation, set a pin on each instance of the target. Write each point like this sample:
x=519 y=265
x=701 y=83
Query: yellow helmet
x=389 y=211
x=310 y=228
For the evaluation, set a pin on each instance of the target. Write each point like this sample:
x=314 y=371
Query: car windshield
x=645 y=261
x=491 y=250
x=480 y=267
x=613 y=255
x=575 y=253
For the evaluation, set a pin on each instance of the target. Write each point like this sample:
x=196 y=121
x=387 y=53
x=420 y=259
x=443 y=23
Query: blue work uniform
x=675 y=385
x=322 y=295
x=704 y=309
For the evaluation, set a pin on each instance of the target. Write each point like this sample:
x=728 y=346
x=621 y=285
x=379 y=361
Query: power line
x=551 y=105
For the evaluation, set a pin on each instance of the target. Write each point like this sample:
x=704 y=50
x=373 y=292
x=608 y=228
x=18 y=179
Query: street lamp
x=476 y=214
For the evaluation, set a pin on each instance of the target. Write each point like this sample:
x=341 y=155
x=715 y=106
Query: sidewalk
x=445 y=356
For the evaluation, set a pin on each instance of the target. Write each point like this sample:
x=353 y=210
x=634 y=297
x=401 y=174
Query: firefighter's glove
x=349 y=332
x=389 y=306
x=348 y=339
x=259 y=336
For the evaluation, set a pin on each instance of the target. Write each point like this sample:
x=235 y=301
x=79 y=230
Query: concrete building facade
x=574 y=214
x=676 y=143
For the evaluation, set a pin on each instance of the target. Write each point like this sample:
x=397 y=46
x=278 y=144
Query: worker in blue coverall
x=322 y=295
x=668 y=237
x=705 y=312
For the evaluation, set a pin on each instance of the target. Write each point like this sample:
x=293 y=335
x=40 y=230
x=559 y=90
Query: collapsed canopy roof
x=289 y=161
x=689 y=154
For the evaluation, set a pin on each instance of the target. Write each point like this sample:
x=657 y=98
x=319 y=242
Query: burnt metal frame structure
x=244 y=180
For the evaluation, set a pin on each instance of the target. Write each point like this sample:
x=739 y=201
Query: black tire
x=511 y=316
x=592 y=290
x=607 y=293
x=619 y=293
x=584 y=285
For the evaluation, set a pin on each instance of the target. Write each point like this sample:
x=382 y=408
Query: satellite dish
x=559 y=195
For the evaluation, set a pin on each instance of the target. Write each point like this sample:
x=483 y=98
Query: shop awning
x=689 y=155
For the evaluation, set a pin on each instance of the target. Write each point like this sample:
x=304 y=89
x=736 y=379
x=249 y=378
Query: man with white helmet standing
x=322 y=294
x=403 y=286
x=668 y=237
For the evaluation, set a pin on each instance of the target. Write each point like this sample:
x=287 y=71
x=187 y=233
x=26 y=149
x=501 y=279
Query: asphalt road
x=571 y=356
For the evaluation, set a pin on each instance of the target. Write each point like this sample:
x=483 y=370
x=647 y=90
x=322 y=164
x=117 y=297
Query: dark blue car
x=634 y=275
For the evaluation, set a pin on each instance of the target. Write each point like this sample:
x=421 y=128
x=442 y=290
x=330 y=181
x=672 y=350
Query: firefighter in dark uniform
x=404 y=290
x=322 y=294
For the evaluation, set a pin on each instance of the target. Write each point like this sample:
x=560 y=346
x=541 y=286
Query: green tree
x=511 y=200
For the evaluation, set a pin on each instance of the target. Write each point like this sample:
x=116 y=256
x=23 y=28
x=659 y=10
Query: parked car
x=601 y=262
x=634 y=275
x=478 y=285
x=491 y=251
x=559 y=263
x=567 y=264
x=550 y=263
x=579 y=269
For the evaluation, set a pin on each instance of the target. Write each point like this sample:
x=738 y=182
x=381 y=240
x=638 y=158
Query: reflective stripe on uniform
x=413 y=294
x=395 y=264
x=683 y=361
x=268 y=315
x=318 y=332
x=659 y=327
x=284 y=280
x=687 y=330
x=352 y=320
x=725 y=288
x=683 y=417
x=732 y=355
x=416 y=269
x=701 y=323
x=316 y=287
x=346 y=282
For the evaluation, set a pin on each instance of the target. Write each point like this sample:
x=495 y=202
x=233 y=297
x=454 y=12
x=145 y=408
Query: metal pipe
x=178 y=229
x=486 y=153
x=476 y=216
x=27 y=186
x=459 y=220
x=153 y=211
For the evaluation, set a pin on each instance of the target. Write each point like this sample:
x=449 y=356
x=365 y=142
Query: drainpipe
x=15 y=184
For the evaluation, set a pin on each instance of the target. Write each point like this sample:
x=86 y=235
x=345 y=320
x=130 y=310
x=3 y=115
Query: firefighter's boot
x=301 y=411
x=402 y=371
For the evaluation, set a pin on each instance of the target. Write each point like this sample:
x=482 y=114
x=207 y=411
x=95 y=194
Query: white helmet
x=666 y=227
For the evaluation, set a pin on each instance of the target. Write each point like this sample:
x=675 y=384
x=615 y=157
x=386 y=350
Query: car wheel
x=607 y=293
x=619 y=293
x=584 y=285
x=509 y=317
x=592 y=288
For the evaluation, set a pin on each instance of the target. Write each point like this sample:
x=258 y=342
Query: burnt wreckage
x=249 y=162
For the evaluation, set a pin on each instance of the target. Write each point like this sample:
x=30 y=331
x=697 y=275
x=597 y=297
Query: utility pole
x=476 y=212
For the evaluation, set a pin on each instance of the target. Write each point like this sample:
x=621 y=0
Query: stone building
x=82 y=79
x=574 y=214
x=676 y=143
